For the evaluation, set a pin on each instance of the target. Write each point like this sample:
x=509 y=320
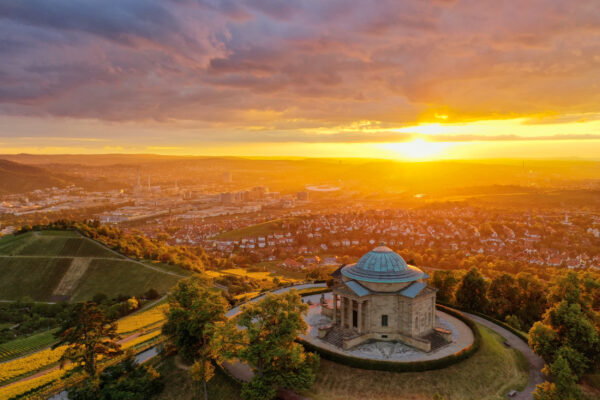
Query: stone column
x=342 y=310
x=335 y=308
x=360 y=316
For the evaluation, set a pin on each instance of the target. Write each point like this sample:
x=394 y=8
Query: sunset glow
x=307 y=78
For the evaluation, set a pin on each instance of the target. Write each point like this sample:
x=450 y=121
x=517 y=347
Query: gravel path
x=535 y=362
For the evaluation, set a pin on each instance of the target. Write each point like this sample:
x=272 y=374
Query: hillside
x=20 y=178
x=65 y=266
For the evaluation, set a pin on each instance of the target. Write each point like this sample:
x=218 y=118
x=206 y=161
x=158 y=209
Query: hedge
x=394 y=366
x=504 y=325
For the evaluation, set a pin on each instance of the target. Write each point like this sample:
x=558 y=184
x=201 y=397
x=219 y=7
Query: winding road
x=535 y=362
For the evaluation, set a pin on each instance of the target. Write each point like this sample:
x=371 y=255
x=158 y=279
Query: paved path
x=535 y=362
x=236 y=310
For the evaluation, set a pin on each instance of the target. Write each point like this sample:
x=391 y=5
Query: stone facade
x=369 y=310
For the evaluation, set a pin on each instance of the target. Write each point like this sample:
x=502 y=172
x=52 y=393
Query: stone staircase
x=336 y=336
x=436 y=340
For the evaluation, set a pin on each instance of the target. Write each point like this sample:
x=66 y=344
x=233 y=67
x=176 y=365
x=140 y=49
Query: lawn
x=179 y=386
x=487 y=375
x=253 y=231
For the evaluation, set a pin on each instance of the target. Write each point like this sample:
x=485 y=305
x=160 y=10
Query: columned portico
x=382 y=298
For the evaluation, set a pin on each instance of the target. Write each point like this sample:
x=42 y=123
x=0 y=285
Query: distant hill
x=20 y=178
x=369 y=177
x=65 y=266
x=17 y=177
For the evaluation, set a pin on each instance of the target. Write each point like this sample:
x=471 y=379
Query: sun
x=417 y=149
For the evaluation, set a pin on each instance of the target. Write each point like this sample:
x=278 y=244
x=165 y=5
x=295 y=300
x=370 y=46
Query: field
x=488 y=375
x=264 y=229
x=19 y=347
x=63 y=265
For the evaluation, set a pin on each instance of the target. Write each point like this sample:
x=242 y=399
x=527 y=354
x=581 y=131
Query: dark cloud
x=302 y=63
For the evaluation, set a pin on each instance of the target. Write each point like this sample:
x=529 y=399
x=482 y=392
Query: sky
x=400 y=79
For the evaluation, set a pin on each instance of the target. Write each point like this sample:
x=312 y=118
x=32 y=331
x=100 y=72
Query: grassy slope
x=489 y=374
x=53 y=244
x=120 y=277
x=45 y=256
x=33 y=277
x=179 y=386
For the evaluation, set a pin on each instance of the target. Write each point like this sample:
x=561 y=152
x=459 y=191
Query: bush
x=151 y=294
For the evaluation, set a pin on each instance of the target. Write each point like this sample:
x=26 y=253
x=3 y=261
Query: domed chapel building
x=382 y=298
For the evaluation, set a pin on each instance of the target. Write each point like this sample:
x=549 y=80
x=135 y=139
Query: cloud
x=300 y=64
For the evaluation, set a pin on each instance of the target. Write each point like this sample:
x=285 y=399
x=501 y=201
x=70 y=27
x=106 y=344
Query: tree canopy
x=193 y=309
x=263 y=335
x=88 y=333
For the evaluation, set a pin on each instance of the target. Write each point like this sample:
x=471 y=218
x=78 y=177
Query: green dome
x=382 y=265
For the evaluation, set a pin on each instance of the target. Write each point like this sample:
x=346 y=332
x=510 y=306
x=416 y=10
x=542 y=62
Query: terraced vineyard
x=27 y=365
x=143 y=320
x=19 y=347
x=65 y=266
x=22 y=387
x=29 y=373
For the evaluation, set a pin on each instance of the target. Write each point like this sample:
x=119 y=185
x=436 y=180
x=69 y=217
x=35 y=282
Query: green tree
x=566 y=328
x=124 y=381
x=564 y=383
x=471 y=292
x=503 y=295
x=193 y=309
x=445 y=282
x=88 y=333
x=266 y=341
x=570 y=288
x=532 y=302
